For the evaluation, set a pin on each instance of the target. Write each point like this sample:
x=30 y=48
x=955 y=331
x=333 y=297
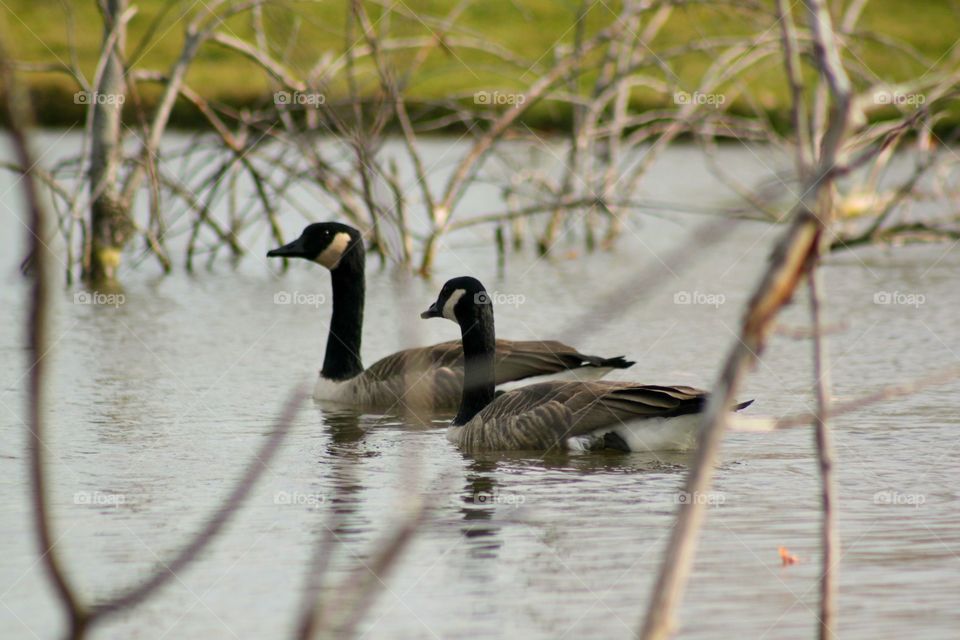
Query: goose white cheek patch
x=330 y=256
x=451 y=302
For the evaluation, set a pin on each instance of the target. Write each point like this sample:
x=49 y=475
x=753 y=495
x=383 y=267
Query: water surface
x=156 y=405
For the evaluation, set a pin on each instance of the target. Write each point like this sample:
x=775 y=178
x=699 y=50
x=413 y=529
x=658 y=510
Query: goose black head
x=459 y=299
x=325 y=243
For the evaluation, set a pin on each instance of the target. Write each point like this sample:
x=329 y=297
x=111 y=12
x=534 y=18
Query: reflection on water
x=343 y=425
x=481 y=496
x=156 y=406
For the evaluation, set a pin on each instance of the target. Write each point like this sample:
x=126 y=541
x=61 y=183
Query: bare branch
x=18 y=115
x=790 y=261
x=830 y=546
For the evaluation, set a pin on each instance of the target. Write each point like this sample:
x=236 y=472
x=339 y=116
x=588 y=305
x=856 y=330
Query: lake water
x=157 y=404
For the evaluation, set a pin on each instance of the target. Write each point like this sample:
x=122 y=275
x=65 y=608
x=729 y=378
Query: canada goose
x=426 y=377
x=563 y=415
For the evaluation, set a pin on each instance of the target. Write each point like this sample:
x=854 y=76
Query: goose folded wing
x=599 y=404
x=516 y=360
x=418 y=359
x=543 y=416
x=536 y=428
x=535 y=417
x=420 y=377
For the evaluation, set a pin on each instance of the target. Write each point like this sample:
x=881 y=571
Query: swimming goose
x=426 y=377
x=556 y=415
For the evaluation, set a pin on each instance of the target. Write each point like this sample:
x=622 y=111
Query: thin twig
x=18 y=116
x=790 y=260
x=825 y=456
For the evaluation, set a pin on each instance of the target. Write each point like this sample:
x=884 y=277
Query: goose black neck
x=479 y=346
x=342 y=359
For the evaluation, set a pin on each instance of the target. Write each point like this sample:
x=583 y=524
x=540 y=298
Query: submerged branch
x=18 y=116
x=790 y=261
x=830 y=545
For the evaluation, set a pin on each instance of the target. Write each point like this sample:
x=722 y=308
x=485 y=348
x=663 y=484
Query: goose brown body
x=547 y=415
x=557 y=415
x=423 y=378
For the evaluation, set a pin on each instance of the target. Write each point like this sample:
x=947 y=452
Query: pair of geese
x=573 y=409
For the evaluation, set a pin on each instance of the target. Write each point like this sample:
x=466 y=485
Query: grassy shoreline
x=531 y=30
x=50 y=111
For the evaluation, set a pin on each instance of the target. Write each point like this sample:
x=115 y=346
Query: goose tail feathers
x=618 y=362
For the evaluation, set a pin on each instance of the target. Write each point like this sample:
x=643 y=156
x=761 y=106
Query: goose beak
x=432 y=312
x=294 y=249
